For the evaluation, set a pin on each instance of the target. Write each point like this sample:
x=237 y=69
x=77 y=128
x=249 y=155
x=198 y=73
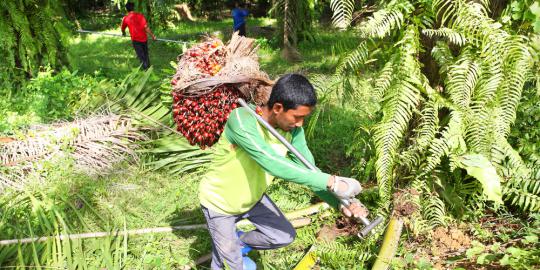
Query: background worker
x=138 y=28
x=246 y=160
x=239 y=19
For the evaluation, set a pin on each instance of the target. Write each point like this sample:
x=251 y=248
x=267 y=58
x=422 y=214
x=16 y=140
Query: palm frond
x=95 y=143
x=354 y=60
x=381 y=23
x=342 y=12
x=446 y=33
x=402 y=99
x=174 y=154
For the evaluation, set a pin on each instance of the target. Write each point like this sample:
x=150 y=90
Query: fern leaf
x=342 y=12
x=443 y=56
x=384 y=80
x=381 y=23
x=434 y=210
x=461 y=80
x=354 y=60
x=447 y=33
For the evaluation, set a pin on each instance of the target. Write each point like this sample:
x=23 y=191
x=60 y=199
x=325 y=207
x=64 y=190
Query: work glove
x=345 y=188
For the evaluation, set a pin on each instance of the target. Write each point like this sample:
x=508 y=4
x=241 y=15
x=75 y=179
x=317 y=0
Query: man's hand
x=154 y=37
x=355 y=209
x=343 y=187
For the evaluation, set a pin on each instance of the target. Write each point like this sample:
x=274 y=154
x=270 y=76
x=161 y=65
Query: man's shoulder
x=240 y=114
x=135 y=15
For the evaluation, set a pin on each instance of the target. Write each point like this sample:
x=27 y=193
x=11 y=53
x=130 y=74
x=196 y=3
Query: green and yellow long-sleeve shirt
x=246 y=160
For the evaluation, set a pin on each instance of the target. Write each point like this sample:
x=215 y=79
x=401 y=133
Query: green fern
x=429 y=123
x=447 y=33
x=342 y=12
x=336 y=255
x=382 y=23
x=434 y=210
x=354 y=60
x=443 y=57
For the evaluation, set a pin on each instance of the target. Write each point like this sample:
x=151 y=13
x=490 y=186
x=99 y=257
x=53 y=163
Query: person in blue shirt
x=239 y=19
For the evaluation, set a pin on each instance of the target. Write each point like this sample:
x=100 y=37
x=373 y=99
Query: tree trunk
x=149 y=15
x=289 y=53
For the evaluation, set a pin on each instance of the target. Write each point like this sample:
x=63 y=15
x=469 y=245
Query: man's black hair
x=130 y=6
x=292 y=90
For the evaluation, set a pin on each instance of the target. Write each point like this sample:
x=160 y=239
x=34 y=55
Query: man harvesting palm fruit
x=247 y=158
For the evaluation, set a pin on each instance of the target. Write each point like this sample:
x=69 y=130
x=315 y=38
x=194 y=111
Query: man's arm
x=147 y=29
x=241 y=130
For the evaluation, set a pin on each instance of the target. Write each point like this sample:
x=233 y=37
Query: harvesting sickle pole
x=368 y=225
x=118 y=35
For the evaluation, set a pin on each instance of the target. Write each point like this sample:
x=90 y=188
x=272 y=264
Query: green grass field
x=114 y=57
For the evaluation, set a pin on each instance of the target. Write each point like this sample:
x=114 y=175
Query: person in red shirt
x=138 y=28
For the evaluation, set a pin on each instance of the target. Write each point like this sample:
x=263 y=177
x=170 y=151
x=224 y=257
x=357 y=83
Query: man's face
x=290 y=119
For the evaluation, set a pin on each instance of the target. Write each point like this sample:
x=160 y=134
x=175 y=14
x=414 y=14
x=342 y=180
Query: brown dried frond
x=95 y=143
x=240 y=69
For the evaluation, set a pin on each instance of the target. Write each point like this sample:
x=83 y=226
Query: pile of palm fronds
x=95 y=143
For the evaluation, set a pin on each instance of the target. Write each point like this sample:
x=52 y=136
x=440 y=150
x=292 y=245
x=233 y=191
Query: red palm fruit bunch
x=201 y=117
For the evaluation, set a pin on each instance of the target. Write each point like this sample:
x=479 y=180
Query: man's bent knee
x=284 y=238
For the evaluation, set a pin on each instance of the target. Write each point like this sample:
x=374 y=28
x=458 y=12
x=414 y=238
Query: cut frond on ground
x=95 y=143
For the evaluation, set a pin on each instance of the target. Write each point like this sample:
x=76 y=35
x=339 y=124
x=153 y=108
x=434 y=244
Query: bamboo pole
x=103 y=234
x=291 y=216
x=389 y=245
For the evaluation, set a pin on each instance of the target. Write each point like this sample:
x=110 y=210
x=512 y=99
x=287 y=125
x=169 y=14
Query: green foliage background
x=33 y=34
x=440 y=96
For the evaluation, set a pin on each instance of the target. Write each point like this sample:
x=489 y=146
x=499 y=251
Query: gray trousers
x=273 y=230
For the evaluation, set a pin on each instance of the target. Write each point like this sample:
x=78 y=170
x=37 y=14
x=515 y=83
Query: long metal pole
x=368 y=225
x=118 y=35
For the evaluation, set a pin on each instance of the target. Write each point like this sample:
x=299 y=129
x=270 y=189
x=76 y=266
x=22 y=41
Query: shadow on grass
x=202 y=243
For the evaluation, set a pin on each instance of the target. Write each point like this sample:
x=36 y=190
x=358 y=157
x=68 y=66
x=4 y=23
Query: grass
x=131 y=198
x=114 y=57
x=146 y=199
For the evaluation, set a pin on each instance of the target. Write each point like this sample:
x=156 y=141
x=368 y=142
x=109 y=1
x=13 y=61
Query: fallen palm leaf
x=95 y=143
